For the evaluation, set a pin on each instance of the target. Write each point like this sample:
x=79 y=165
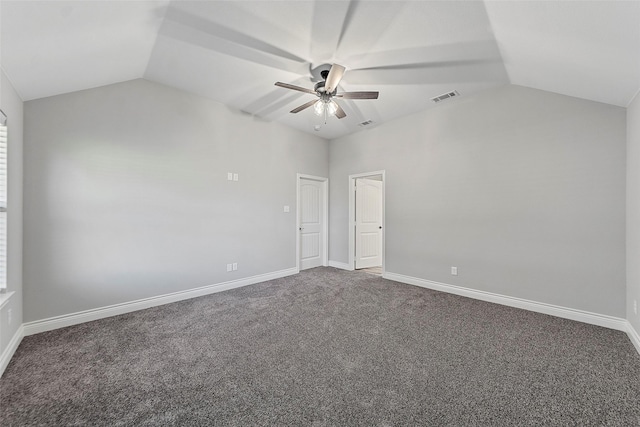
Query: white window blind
x=3 y=201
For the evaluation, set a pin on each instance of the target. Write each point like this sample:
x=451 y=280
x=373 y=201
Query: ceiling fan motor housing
x=319 y=87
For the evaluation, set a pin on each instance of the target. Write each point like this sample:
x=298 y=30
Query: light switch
x=235 y=266
x=229 y=267
x=229 y=176
x=235 y=176
x=286 y=208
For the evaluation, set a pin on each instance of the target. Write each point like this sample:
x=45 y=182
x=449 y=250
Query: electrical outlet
x=229 y=267
x=454 y=271
x=235 y=266
x=9 y=316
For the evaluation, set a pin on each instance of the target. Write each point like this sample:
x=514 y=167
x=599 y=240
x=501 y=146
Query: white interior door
x=368 y=223
x=311 y=223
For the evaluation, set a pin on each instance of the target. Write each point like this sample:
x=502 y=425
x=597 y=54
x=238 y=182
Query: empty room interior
x=319 y=212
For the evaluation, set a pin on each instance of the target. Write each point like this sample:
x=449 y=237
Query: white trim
x=340 y=265
x=8 y=352
x=31 y=328
x=4 y=297
x=325 y=221
x=553 y=310
x=352 y=215
x=634 y=336
x=52 y=323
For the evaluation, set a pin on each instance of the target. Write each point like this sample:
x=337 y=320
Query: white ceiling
x=409 y=51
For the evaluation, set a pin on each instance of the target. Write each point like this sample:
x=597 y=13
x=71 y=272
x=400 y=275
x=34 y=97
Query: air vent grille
x=367 y=123
x=445 y=96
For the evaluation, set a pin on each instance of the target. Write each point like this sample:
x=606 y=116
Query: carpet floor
x=325 y=347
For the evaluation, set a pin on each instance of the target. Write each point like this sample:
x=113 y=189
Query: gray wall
x=126 y=195
x=522 y=190
x=12 y=105
x=633 y=212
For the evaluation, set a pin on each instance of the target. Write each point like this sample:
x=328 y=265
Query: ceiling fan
x=326 y=90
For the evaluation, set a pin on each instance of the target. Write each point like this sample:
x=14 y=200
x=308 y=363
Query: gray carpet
x=325 y=347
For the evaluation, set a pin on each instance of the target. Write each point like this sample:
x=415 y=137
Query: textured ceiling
x=409 y=51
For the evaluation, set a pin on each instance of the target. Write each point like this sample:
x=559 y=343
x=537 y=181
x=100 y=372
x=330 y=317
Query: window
x=3 y=200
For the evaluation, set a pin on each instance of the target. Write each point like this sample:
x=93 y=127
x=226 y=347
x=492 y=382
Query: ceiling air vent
x=445 y=96
x=367 y=123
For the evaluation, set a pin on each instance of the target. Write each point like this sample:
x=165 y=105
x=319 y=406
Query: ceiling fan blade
x=274 y=99
x=193 y=29
x=273 y=102
x=348 y=19
x=430 y=64
x=294 y=87
x=347 y=26
x=334 y=77
x=340 y=112
x=482 y=51
x=358 y=95
x=477 y=61
x=326 y=26
x=430 y=74
x=304 y=106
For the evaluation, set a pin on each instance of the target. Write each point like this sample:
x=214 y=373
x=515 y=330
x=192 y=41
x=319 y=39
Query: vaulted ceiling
x=409 y=51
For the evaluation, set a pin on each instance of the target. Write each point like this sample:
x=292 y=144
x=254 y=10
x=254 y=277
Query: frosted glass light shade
x=332 y=107
x=318 y=108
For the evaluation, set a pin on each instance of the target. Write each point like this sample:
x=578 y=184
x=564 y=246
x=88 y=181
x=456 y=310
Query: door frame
x=352 y=216
x=325 y=217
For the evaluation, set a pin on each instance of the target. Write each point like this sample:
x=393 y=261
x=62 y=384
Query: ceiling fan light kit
x=321 y=106
x=326 y=90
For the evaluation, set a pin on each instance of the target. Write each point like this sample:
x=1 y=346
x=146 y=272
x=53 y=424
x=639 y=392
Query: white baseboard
x=52 y=323
x=44 y=325
x=8 y=352
x=340 y=265
x=634 y=336
x=553 y=310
